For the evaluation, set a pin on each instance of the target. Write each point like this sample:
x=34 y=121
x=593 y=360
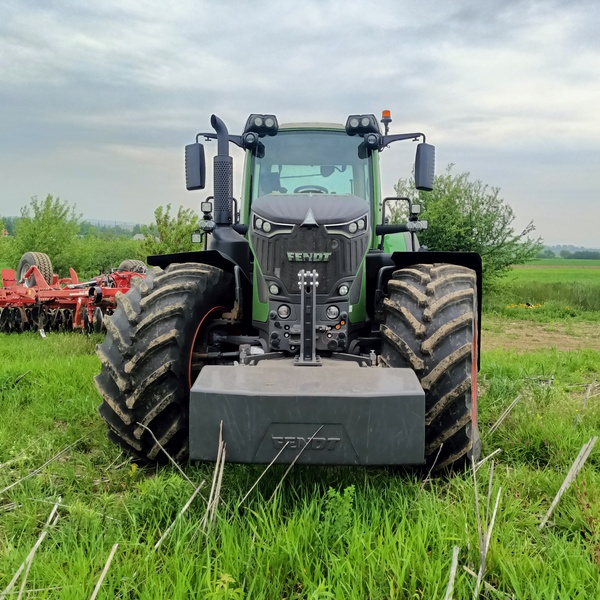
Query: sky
x=98 y=99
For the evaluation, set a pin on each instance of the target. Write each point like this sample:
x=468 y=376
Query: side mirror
x=425 y=167
x=195 y=167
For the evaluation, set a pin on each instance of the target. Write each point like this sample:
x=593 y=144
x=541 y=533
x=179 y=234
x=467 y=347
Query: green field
x=327 y=532
x=324 y=532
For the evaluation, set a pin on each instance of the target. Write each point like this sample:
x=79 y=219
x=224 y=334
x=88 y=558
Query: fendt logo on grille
x=297 y=443
x=308 y=256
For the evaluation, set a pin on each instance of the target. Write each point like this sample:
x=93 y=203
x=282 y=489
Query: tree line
x=463 y=215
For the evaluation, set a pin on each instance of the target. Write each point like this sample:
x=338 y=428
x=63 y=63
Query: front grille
x=346 y=255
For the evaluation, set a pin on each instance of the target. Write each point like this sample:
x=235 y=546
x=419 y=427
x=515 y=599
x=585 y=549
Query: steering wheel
x=318 y=189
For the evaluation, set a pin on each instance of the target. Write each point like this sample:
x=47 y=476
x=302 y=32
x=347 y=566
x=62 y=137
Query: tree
x=565 y=254
x=469 y=216
x=546 y=253
x=586 y=254
x=170 y=234
x=9 y=224
x=49 y=226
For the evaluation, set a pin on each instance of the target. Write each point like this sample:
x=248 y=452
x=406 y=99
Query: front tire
x=431 y=327
x=146 y=356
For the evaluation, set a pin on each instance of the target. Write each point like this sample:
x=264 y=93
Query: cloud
x=99 y=99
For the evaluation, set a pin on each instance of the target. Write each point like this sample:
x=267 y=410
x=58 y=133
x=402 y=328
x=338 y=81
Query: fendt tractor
x=306 y=328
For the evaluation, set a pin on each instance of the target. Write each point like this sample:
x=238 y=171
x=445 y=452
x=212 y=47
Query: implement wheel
x=132 y=265
x=147 y=366
x=431 y=327
x=41 y=261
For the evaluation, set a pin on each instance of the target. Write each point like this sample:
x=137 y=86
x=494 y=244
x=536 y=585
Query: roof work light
x=362 y=124
x=262 y=125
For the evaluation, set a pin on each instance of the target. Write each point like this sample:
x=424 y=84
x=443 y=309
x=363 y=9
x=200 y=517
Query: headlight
x=343 y=290
x=332 y=312
x=356 y=227
x=274 y=289
x=261 y=225
x=284 y=311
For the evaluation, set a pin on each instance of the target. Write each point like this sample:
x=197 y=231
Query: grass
x=548 y=294
x=328 y=533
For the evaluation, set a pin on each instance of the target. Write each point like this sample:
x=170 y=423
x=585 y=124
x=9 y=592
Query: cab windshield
x=324 y=162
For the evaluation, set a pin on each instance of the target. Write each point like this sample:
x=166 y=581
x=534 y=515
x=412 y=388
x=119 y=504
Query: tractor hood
x=326 y=209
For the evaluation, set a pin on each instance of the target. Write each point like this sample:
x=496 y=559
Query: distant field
x=549 y=289
x=551 y=274
x=561 y=262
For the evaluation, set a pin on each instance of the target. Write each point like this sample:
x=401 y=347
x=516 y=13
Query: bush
x=469 y=216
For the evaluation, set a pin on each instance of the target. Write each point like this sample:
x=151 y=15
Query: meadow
x=318 y=533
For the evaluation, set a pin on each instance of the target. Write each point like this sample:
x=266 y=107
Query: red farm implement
x=34 y=298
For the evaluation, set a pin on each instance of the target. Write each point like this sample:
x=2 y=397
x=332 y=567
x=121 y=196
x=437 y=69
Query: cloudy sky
x=98 y=99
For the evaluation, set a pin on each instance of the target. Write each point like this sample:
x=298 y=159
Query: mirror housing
x=425 y=167
x=195 y=167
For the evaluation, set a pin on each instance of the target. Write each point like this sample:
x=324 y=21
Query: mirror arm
x=234 y=139
x=386 y=140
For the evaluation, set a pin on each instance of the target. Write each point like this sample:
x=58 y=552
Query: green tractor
x=307 y=328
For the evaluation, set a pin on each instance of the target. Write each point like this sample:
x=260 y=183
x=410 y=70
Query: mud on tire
x=431 y=327
x=146 y=356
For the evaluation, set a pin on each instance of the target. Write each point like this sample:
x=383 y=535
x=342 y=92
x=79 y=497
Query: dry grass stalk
x=573 y=472
x=488 y=536
x=104 y=572
x=168 y=456
x=588 y=391
x=477 y=511
x=312 y=437
x=217 y=474
x=40 y=469
x=503 y=416
x=427 y=479
x=485 y=525
x=179 y=515
x=486 y=585
x=217 y=496
x=484 y=460
x=262 y=475
x=453 y=567
x=26 y=564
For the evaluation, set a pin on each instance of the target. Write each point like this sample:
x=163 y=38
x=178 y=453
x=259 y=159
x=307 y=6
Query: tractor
x=307 y=328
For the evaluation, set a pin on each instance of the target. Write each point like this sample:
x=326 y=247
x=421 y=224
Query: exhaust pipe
x=223 y=175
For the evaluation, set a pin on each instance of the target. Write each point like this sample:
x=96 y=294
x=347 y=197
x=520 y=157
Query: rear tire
x=41 y=261
x=431 y=327
x=146 y=356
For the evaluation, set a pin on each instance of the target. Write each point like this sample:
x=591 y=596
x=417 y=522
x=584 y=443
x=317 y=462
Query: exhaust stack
x=223 y=175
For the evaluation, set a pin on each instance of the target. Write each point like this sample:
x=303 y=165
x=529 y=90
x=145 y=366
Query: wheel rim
x=205 y=320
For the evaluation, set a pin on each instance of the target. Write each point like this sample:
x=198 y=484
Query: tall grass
x=328 y=533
